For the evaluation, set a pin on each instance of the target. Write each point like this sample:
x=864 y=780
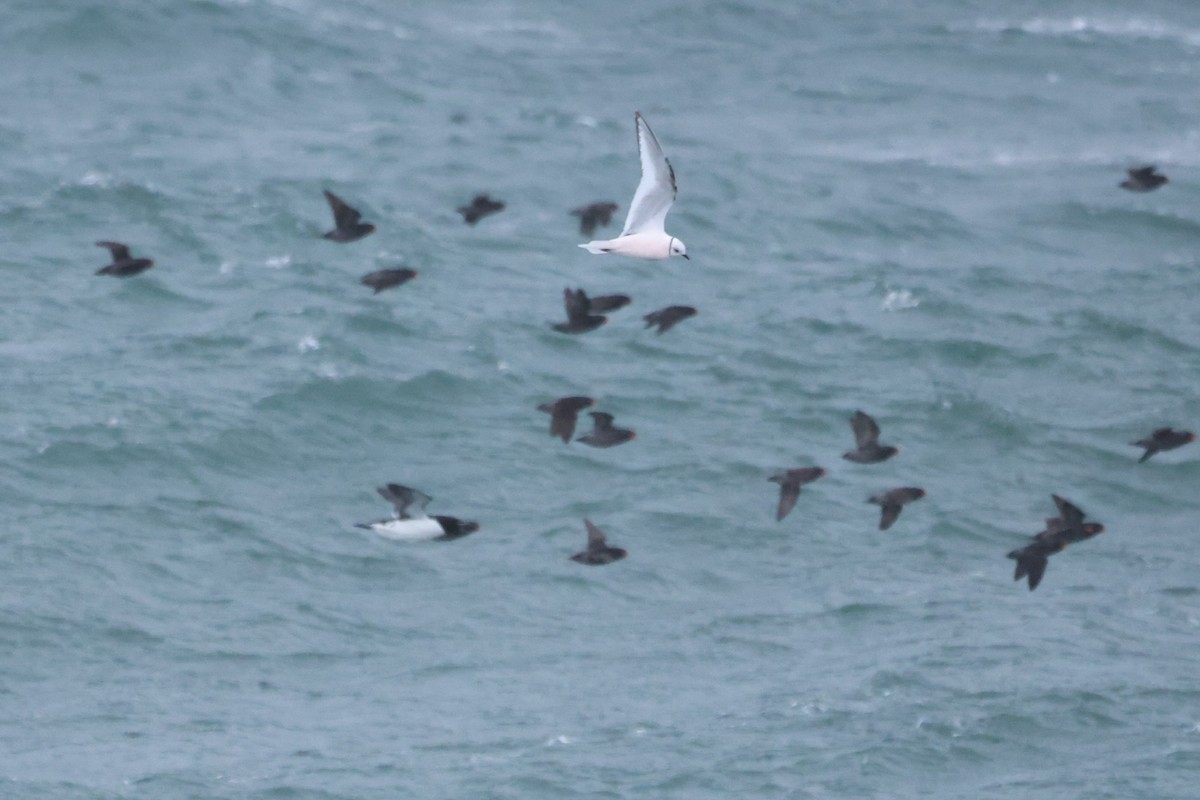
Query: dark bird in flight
x=578 y=318
x=790 y=482
x=482 y=206
x=346 y=228
x=892 y=501
x=598 y=552
x=1163 y=439
x=1143 y=179
x=867 y=450
x=669 y=317
x=603 y=433
x=122 y=265
x=1065 y=529
x=564 y=412
x=387 y=278
x=591 y=216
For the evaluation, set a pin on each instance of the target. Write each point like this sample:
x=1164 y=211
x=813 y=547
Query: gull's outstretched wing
x=656 y=191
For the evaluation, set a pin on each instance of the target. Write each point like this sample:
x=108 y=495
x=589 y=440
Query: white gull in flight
x=645 y=234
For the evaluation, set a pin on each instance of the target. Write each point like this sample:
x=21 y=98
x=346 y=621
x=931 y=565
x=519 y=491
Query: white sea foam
x=94 y=178
x=898 y=299
x=1091 y=27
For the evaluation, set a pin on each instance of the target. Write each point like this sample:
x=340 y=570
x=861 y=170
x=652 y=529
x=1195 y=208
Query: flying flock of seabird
x=644 y=236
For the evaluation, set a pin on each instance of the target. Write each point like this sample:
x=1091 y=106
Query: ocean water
x=904 y=207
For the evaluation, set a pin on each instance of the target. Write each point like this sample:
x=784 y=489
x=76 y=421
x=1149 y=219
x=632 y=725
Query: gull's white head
x=678 y=248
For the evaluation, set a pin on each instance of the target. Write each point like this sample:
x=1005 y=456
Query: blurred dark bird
x=1143 y=179
x=482 y=206
x=866 y=439
x=598 y=552
x=669 y=317
x=790 y=482
x=564 y=412
x=892 y=501
x=591 y=216
x=603 y=433
x=1163 y=439
x=578 y=318
x=122 y=265
x=387 y=278
x=346 y=228
x=1065 y=529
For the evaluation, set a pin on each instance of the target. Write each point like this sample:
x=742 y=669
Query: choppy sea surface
x=908 y=208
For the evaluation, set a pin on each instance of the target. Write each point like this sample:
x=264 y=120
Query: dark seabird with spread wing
x=593 y=216
x=669 y=317
x=598 y=552
x=563 y=414
x=1163 y=439
x=410 y=523
x=579 y=320
x=867 y=450
x=481 y=206
x=1065 y=529
x=122 y=265
x=346 y=228
x=1143 y=179
x=892 y=501
x=603 y=433
x=790 y=482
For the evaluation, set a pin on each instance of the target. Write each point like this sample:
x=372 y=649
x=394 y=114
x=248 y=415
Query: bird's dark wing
x=891 y=513
x=120 y=252
x=562 y=421
x=866 y=432
x=1072 y=517
x=601 y=420
x=343 y=215
x=789 y=493
x=1036 y=566
x=596 y=541
x=576 y=303
x=409 y=503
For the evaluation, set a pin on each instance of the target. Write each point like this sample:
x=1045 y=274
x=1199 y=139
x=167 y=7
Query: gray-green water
x=909 y=208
